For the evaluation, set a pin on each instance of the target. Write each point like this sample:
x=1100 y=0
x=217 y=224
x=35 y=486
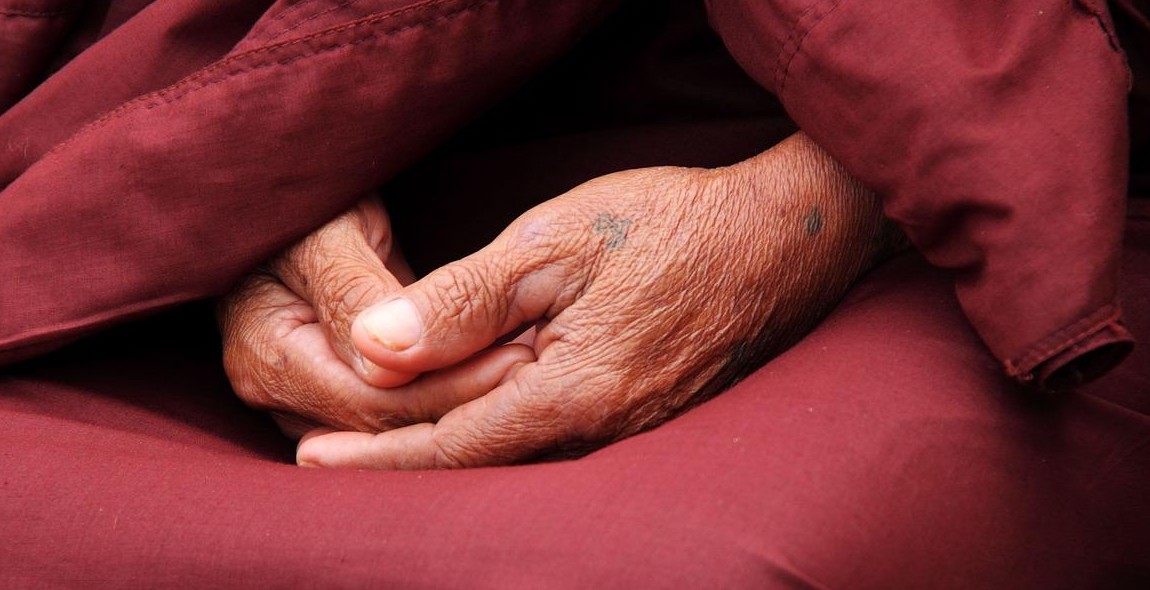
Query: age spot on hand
x=614 y=230
x=813 y=222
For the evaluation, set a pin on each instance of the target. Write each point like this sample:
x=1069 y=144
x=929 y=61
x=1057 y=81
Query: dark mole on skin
x=614 y=229
x=813 y=222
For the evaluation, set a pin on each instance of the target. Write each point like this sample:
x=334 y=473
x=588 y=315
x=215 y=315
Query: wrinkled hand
x=287 y=344
x=652 y=289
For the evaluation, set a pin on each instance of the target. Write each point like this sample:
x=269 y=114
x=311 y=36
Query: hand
x=652 y=290
x=287 y=344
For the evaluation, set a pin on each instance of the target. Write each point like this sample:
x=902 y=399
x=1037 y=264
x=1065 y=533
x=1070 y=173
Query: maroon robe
x=154 y=152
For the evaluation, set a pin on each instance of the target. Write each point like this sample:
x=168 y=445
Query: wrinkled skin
x=287 y=345
x=650 y=289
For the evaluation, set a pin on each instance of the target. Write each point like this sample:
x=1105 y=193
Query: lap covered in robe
x=155 y=151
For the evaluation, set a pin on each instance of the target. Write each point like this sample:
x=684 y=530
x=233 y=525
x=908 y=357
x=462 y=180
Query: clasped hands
x=642 y=293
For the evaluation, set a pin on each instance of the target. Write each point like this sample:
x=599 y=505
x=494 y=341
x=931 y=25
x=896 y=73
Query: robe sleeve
x=174 y=194
x=994 y=130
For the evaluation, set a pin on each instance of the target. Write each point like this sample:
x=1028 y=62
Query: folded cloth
x=135 y=180
x=996 y=133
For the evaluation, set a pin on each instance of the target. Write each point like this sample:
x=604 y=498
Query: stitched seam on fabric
x=205 y=77
x=790 y=46
x=294 y=8
x=1069 y=337
x=1064 y=339
x=17 y=13
x=168 y=99
x=796 y=39
x=330 y=9
x=36 y=337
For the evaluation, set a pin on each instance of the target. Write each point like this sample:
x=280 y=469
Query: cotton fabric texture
x=151 y=153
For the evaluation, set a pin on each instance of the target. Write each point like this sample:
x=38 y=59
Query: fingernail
x=305 y=454
x=308 y=458
x=394 y=324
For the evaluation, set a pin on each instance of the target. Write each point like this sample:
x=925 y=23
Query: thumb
x=464 y=307
x=339 y=272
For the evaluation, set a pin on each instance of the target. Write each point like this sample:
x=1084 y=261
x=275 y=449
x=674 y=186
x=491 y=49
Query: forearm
x=824 y=230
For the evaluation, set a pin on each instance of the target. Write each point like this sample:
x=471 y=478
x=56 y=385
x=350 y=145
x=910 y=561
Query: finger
x=465 y=306
x=362 y=450
x=317 y=431
x=313 y=384
x=260 y=295
x=515 y=422
x=277 y=358
x=256 y=314
x=339 y=270
x=436 y=393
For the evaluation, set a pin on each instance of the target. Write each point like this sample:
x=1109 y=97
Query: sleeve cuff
x=1078 y=354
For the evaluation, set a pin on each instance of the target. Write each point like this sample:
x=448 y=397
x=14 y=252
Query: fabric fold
x=996 y=133
x=30 y=31
x=173 y=195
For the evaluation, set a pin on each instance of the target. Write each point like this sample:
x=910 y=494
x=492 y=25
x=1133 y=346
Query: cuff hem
x=1077 y=354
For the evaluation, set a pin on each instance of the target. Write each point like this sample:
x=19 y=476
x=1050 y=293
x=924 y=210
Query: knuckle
x=448 y=451
x=238 y=306
x=547 y=234
x=310 y=258
x=268 y=370
x=540 y=226
x=238 y=340
x=257 y=365
x=252 y=369
x=299 y=261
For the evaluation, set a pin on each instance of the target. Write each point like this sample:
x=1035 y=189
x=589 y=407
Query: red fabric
x=975 y=169
x=152 y=49
x=885 y=450
x=241 y=156
x=29 y=33
x=995 y=132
